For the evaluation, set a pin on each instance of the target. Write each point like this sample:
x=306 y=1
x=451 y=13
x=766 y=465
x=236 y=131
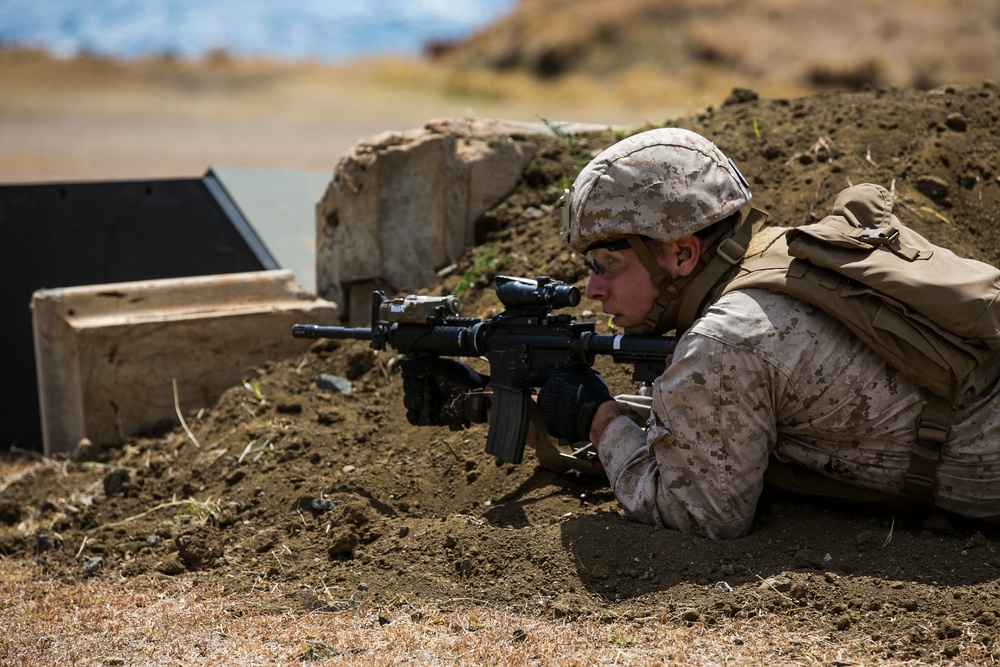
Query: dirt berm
x=335 y=495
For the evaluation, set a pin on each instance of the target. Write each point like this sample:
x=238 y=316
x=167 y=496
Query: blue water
x=323 y=30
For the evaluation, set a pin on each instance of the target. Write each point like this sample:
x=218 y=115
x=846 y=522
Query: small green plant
x=187 y=509
x=625 y=640
x=620 y=133
x=756 y=128
x=485 y=261
x=194 y=510
x=554 y=126
x=254 y=389
x=258 y=451
x=575 y=144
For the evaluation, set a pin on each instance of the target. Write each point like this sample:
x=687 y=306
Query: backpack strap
x=932 y=434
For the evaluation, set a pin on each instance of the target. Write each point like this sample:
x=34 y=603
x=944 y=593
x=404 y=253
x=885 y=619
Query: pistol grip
x=509 y=420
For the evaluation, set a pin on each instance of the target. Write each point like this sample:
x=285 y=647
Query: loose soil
x=334 y=495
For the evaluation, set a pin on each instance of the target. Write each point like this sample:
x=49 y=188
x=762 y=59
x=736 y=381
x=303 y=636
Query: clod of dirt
x=934 y=187
x=118 y=480
x=10 y=513
x=343 y=540
x=199 y=547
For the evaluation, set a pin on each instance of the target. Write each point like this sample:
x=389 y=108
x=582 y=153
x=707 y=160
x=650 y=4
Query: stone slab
x=107 y=356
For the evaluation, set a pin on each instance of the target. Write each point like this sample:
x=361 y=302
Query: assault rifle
x=521 y=343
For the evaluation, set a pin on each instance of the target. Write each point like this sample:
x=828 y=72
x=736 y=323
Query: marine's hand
x=442 y=392
x=569 y=399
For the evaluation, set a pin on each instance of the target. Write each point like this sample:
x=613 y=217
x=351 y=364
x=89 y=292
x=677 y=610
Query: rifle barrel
x=320 y=331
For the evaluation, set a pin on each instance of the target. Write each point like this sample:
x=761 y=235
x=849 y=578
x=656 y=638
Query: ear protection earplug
x=683 y=255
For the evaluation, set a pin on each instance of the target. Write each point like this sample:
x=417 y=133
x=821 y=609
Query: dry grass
x=177 y=621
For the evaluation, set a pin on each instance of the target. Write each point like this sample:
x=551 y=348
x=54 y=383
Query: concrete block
x=403 y=205
x=107 y=355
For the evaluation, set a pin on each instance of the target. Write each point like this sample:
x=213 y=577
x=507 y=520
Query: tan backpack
x=929 y=313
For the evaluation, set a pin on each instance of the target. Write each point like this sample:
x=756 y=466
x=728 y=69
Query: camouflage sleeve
x=699 y=466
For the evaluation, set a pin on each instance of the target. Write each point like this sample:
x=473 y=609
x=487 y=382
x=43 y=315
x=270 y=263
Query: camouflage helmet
x=664 y=184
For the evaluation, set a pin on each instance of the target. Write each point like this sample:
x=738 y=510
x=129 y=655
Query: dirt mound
x=330 y=490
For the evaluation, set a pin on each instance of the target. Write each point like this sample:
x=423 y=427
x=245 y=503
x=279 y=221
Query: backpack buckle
x=730 y=251
x=878 y=236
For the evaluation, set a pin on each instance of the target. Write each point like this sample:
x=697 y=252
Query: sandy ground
x=98 y=120
x=120 y=124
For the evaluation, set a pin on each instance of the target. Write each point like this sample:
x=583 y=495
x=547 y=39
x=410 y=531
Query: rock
x=235 y=477
x=322 y=504
x=333 y=383
x=92 y=564
x=723 y=587
x=779 y=583
x=956 y=122
x=809 y=559
x=934 y=187
x=85 y=450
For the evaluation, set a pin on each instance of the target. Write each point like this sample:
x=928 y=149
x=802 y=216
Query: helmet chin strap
x=655 y=321
x=712 y=265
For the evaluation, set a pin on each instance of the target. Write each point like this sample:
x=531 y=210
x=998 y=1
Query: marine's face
x=620 y=282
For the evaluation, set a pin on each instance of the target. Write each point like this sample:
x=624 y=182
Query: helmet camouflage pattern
x=664 y=184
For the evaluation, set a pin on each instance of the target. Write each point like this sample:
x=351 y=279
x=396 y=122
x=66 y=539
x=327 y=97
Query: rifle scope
x=543 y=292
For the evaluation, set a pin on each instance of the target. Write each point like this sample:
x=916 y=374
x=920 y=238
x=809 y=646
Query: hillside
x=774 y=45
